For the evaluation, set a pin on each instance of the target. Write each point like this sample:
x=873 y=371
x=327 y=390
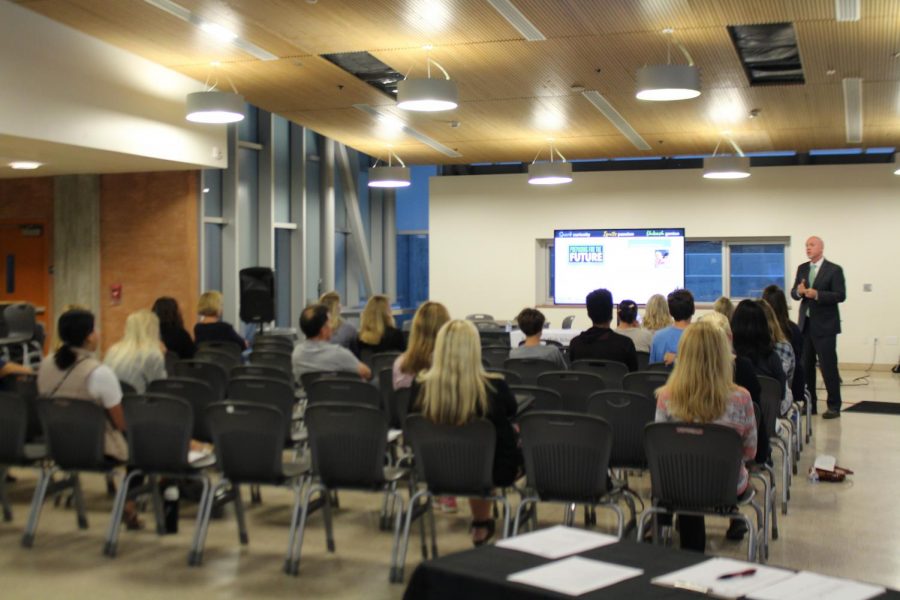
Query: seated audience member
x=656 y=314
x=753 y=340
x=344 y=333
x=627 y=317
x=137 y=359
x=774 y=295
x=377 y=332
x=531 y=322
x=211 y=327
x=784 y=350
x=74 y=372
x=171 y=328
x=724 y=306
x=665 y=341
x=701 y=389
x=455 y=390
x=317 y=353
x=600 y=341
x=55 y=342
x=426 y=323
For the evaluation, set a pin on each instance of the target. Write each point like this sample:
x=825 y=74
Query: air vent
x=368 y=69
x=769 y=53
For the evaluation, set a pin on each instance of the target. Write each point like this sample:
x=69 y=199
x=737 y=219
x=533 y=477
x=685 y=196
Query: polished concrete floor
x=846 y=529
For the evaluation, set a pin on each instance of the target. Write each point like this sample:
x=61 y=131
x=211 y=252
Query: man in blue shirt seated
x=316 y=353
x=665 y=341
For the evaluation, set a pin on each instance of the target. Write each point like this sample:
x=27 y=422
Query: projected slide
x=631 y=263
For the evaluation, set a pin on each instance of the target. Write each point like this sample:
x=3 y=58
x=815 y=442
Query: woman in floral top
x=701 y=390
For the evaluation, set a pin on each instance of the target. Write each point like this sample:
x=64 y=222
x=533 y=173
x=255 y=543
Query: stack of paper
x=723 y=577
x=812 y=586
x=575 y=575
x=556 y=542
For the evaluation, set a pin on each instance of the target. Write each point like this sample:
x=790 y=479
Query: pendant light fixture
x=662 y=83
x=215 y=106
x=552 y=172
x=428 y=95
x=389 y=176
x=726 y=166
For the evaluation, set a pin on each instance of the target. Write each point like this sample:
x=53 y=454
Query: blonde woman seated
x=531 y=323
x=455 y=390
x=724 y=306
x=138 y=358
x=656 y=314
x=211 y=327
x=701 y=389
x=426 y=323
x=377 y=332
x=342 y=333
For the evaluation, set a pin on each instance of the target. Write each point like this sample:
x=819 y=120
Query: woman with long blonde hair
x=455 y=390
x=138 y=358
x=701 y=389
x=342 y=332
x=377 y=332
x=426 y=323
x=656 y=313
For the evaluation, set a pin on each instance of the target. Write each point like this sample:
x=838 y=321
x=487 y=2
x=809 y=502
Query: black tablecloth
x=481 y=573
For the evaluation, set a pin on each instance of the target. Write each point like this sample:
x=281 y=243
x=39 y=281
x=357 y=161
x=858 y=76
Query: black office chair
x=383 y=360
x=214 y=375
x=495 y=355
x=308 y=378
x=20 y=325
x=273 y=344
x=261 y=371
x=278 y=359
x=511 y=377
x=627 y=413
x=528 y=369
x=496 y=336
x=226 y=360
x=568 y=321
x=535 y=398
x=199 y=394
x=230 y=348
x=566 y=460
x=645 y=382
x=643 y=360
x=14 y=447
x=328 y=389
x=276 y=393
x=611 y=371
x=574 y=387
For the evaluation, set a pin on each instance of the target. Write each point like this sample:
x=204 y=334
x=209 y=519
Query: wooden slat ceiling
x=516 y=94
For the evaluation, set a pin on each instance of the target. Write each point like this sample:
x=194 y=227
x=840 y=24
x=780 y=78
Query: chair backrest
x=221 y=346
x=214 y=375
x=348 y=443
x=693 y=465
x=20 y=320
x=385 y=381
x=528 y=369
x=74 y=432
x=659 y=366
x=645 y=382
x=126 y=388
x=382 y=360
x=13 y=428
x=273 y=341
x=479 y=317
x=337 y=389
x=25 y=386
x=278 y=359
x=566 y=455
x=770 y=392
x=611 y=371
x=261 y=371
x=568 y=321
x=574 y=387
x=226 y=360
x=198 y=393
x=451 y=459
x=276 y=393
x=248 y=449
x=495 y=355
x=496 y=337
x=627 y=414
x=643 y=360
x=282 y=338
x=308 y=378
x=536 y=398
x=511 y=377
x=159 y=431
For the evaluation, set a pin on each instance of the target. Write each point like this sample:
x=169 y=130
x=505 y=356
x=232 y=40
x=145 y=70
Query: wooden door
x=24 y=266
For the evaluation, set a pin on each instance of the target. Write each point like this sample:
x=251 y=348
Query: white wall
x=483 y=231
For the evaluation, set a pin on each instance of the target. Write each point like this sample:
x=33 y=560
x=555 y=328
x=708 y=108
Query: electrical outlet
x=867 y=287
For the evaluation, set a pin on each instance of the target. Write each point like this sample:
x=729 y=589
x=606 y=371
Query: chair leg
x=292 y=533
x=326 y=513
x=110 y=485
x=195 y=557
x=620 y=518
x=239 y=513
x=115 y=519
x=37 y=502
x=294 y=567
x=156 y=499
x=397 y=574
x=395 y=544
x=432 y=530
x=78 y=498
x=4 y=500
x=523 y=505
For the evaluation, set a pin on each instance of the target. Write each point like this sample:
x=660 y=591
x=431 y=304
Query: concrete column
x=76 y=243
x=326 y=238
x=389 y=243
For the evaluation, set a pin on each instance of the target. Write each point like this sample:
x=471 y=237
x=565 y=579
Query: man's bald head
x=815 y=247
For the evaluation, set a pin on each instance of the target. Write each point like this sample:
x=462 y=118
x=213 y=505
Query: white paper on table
x=825 y=462
x=556 y=542
x=806 y=585
x=575 y=575
x=195 y=455
x=704 y=578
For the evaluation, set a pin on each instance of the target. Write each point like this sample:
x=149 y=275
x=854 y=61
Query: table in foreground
x=481 y=573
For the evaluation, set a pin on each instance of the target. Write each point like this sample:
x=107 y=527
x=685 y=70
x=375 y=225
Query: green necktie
x=812 y=274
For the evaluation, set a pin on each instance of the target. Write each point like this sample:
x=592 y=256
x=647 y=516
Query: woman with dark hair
x=753 y=340
x=627 y=315
x=774 y=295
x=171 y=328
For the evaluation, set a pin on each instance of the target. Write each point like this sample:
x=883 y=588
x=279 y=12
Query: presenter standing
x=819 y=285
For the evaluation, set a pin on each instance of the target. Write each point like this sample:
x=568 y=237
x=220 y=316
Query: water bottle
x=170 y=508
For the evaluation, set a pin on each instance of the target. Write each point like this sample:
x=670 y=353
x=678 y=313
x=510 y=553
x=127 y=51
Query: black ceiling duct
x=369 y=69
x=768 y=53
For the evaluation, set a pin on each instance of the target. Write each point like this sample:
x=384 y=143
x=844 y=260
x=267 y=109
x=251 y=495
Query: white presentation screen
x=633 y=264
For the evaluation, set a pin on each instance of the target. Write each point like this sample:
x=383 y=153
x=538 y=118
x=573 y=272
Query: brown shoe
x=831 y=414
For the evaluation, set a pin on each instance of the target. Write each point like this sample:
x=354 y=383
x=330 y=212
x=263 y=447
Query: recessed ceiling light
x=25 y=165
x=218 y=32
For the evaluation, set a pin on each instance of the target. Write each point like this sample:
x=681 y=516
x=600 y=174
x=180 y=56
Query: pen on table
x=744 y=573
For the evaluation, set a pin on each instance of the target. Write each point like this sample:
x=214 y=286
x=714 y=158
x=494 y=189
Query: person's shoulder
x=741 y=395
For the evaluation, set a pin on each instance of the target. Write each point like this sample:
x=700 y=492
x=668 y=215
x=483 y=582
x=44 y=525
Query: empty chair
x=14 y=449
x=25 y=385
x=347 y=443
x=645 y=382
x=611 y=371
x=20 y=325
x=276 y=359
x=535 y=398
x=566 y=460
x=574 y=387
x=511 y=377
x=307 y=378
x=261 y=371
x=627 y=414
x=272 y=392
x=214 y=375
x=226 y=360
x=221 y=346
x=273 y=341
x=643 y=360
x=496 y=337
x=770 y=405
x=328 y=389
x=198 y=393
x=568 y=321
x=495 y=355
x=528 y=369
x=248 y=453
x=383 y=359
x=694 y=470
x=160 y=428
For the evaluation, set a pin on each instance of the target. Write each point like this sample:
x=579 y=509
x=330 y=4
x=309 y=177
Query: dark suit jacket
x=824 y=317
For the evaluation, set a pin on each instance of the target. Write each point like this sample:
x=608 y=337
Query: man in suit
x=819 y=285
